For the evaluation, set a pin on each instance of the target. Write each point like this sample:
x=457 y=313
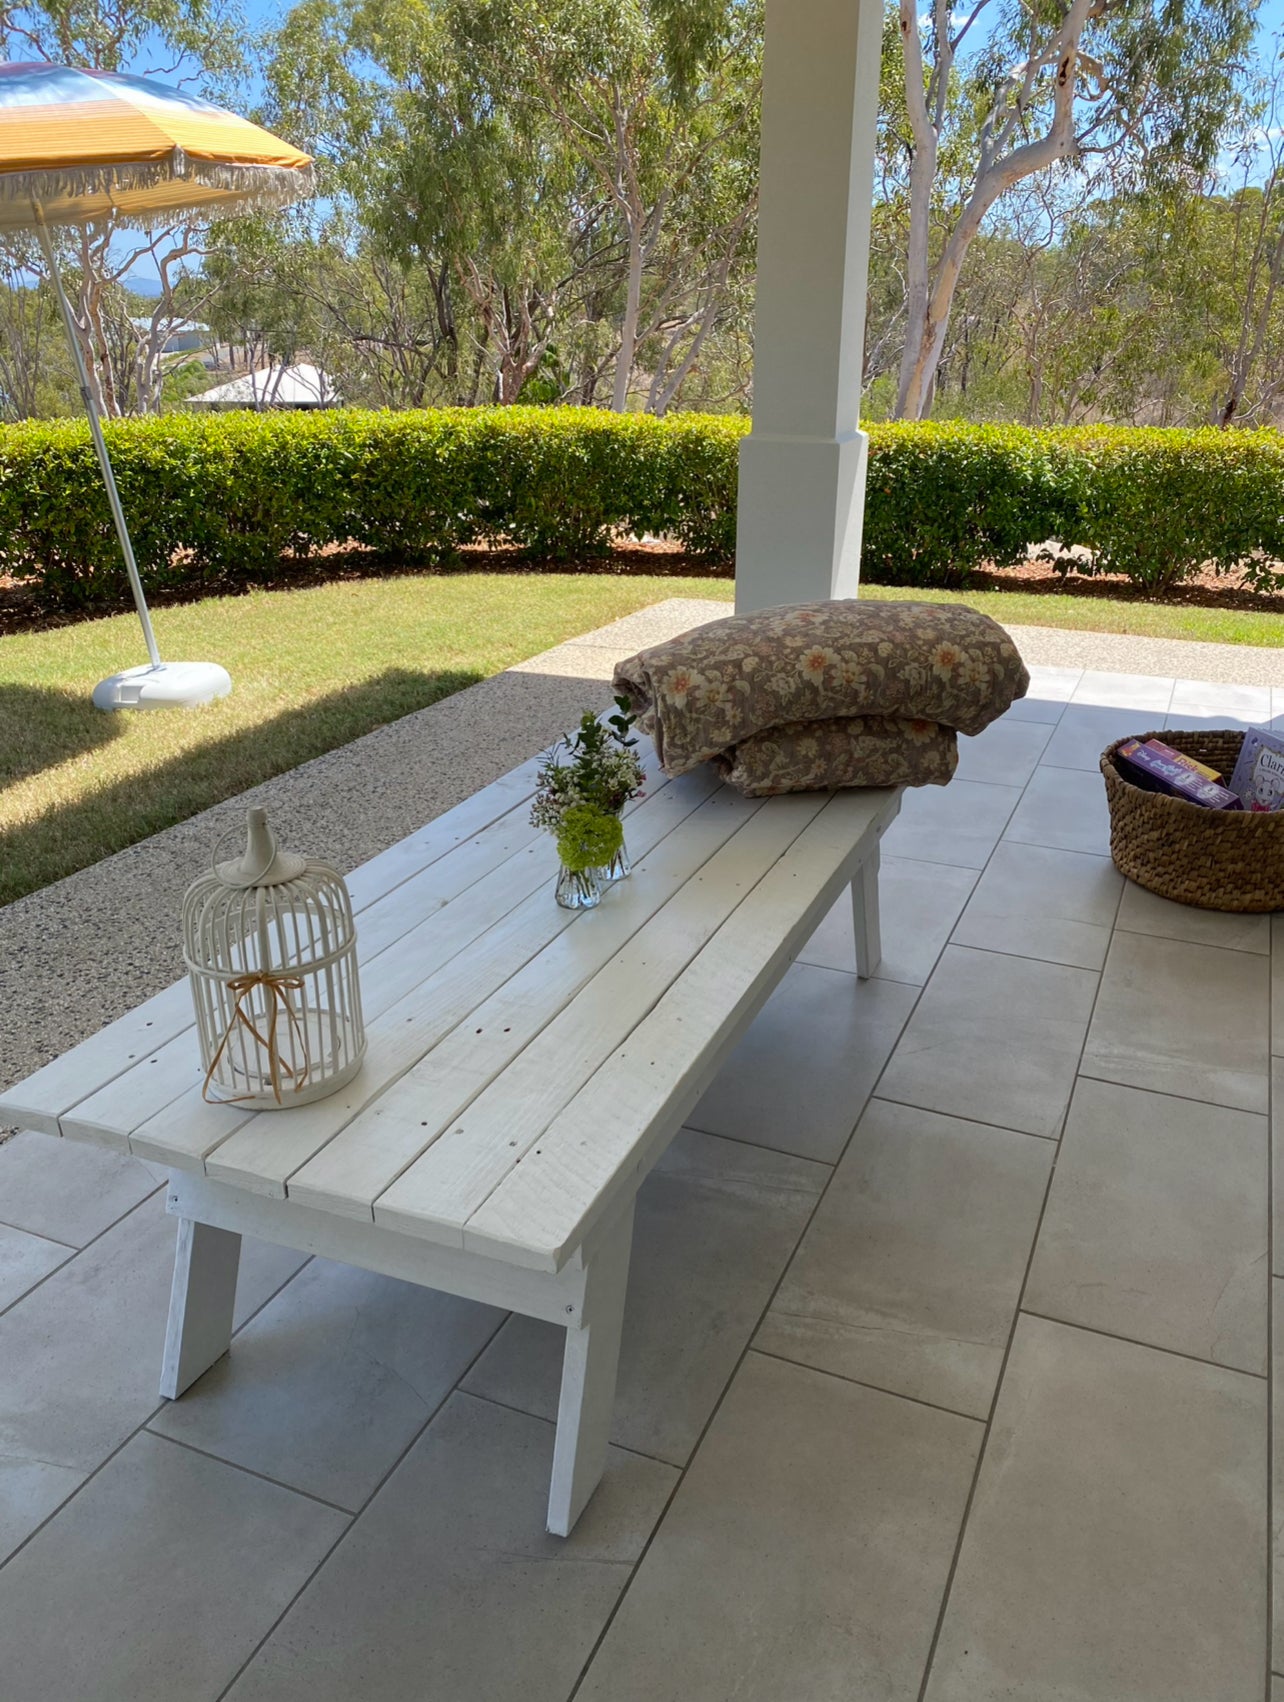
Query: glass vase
x=618 y=869
x=578 y=889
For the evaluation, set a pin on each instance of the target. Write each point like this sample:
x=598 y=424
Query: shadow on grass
x=83 y=830
x=41 y=727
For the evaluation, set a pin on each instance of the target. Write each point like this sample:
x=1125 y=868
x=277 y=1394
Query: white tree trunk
x=1001 y=166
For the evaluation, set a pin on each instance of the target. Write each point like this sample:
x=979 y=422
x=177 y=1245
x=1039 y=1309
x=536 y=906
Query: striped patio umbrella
x=79 y=146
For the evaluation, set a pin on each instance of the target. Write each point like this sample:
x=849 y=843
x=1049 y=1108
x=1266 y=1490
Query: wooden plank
x=442 y=1189
x=383 y=872
x=354 y=1169
x=511 y=792
x=556 y=1298
x=202 y=1299
x=259 y=1150
x=590 y=1360
x=40 y=1100
x=108 y=1116
x=608 y=1136
x=424 y=895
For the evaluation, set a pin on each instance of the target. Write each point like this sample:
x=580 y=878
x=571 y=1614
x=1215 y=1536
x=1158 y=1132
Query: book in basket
x=1259 y=772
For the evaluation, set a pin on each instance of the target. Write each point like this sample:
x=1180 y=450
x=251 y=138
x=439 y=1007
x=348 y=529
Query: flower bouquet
x=582 y=788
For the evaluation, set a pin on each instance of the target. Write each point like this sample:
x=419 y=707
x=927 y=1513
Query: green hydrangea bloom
x=588 y=838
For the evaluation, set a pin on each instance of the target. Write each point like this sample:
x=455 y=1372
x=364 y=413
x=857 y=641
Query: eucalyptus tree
x=1130 y=92
x=581 y=177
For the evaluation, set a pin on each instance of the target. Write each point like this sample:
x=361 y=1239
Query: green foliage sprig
x=596 y=767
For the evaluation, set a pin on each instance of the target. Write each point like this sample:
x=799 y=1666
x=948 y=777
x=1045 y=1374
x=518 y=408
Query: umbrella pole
x=100 y=446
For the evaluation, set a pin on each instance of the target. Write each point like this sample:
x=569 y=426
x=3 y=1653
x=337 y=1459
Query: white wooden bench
x=527 y=1066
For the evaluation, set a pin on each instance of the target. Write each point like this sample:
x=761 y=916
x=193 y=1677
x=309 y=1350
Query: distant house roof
x=301 y=386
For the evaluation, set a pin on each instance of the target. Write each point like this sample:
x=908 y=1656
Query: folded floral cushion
x=868 y=750
x=717 y=686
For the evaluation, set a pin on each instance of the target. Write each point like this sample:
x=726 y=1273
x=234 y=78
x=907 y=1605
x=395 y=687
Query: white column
x=802 y=469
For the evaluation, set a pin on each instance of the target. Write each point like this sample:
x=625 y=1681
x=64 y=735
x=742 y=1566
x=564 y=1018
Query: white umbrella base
x=163 y=685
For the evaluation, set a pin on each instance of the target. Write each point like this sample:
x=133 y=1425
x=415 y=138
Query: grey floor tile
x=1156 y=1226
x=24 y=1261
x=1277 y=1165
x=1248 y=704
x=157 y=1581
x=332 y=1379
x=1065 y=808
x=804 y=1555
x=909 y=1275
x=1034 y=901
x=1277 y=1480
x=995 y=1039
x=716 y=1224
x=447 y=1588
x=800 y=1077
x=67 y=1190
x=959 y=823
x=82 y=1354
x=1277 y=983
x=1188 y=721
x=1050 y=690
x=1085 y=730
x=1114 y=1547
x=1143 y=912
x=1184 y=1019
x=1005 y=754
x=1125 y=691
x=918 y=902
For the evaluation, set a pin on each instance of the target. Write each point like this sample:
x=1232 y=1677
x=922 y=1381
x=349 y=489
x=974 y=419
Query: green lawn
x=311 y=670
x=1105 y=614
x=316 y=668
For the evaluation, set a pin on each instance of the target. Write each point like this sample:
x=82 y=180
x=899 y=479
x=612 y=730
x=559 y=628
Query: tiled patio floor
x=945 y=1367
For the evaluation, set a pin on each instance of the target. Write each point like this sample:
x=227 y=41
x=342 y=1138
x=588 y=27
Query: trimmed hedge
x=217 y=501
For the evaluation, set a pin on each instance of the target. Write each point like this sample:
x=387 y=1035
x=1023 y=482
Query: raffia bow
x=279 y=987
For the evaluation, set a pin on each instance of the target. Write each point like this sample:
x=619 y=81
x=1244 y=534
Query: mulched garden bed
x=21 y=608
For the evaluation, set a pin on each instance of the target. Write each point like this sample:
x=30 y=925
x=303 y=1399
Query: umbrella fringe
x=255 y=188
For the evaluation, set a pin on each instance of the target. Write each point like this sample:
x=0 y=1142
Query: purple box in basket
x=1163 y=769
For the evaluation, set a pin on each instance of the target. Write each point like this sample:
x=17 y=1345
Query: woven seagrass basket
x=1216 y=859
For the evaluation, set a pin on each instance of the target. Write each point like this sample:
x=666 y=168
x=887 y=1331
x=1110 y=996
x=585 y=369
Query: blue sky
x=265 y=15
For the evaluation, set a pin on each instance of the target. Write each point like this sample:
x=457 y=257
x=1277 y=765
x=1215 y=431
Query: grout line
x=983 y=1451
x=864 y=1383
x=78 y=1490
x=355 y=1517
x=1135 y=1341
x=39 y=1235
x=982 y=1122
x=1176 y=939
x=77 y=1251
x=154 y=1411
x=543 y=1418
x=735 y=1370
x=248 y=1471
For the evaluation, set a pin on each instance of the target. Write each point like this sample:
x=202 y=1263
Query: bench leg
x=200 y=1304
x=869 y=944
x=588 y=1380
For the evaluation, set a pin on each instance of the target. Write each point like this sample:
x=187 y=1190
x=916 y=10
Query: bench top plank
x=523 y=1060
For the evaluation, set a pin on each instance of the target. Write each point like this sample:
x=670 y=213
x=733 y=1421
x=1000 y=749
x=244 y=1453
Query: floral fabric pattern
x=714 y=688
x=868 y=750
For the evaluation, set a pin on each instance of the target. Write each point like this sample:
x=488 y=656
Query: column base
x=798 y=530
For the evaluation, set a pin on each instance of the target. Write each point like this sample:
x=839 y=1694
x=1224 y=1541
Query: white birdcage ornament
x=271 y=949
